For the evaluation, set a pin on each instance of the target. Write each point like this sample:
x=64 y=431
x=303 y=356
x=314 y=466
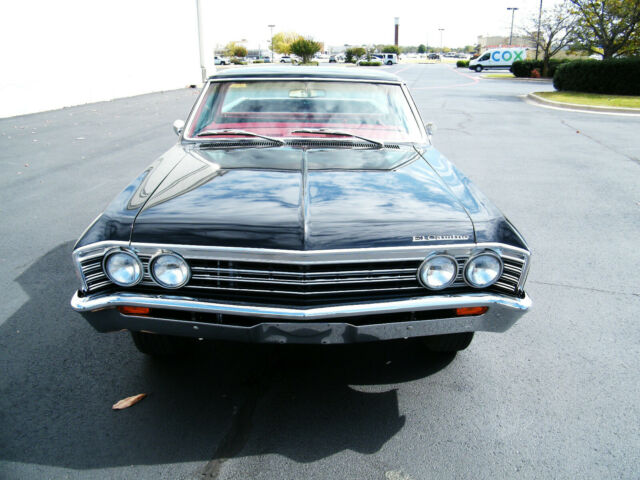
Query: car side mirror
x=178 y=126
x=431 y=128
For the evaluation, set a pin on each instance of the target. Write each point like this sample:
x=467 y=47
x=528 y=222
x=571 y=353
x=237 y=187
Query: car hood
x=302 y=199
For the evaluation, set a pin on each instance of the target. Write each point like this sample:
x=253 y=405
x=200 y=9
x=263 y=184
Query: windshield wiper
x=232 y=131
x=327 y=131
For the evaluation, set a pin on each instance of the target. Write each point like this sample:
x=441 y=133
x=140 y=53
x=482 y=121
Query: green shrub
x=613 y=77
x=237 y=61
x=258 y=61
x=373 y=63
x=391 y=49
x=305 y=48
x=309 y=63
x=523 y=68
x=462 y=64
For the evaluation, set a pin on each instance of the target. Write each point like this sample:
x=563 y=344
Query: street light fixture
x=441 y=30
x=513 y=12
x=271 y=27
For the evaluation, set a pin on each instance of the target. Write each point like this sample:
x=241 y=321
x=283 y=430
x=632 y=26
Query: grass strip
x=597 y=99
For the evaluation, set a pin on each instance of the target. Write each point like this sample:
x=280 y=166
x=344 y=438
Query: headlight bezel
x=431 y=257
x=129 y=253
x=152 y=273
x=472 y=258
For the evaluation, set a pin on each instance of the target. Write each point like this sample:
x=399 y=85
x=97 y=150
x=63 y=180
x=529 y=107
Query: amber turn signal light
x=471 y=311
x=134 y=310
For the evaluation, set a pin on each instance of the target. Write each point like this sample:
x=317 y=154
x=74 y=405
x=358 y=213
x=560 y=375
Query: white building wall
x=68 y=52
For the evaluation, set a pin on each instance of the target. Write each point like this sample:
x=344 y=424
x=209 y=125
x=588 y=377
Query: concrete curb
x=519 y=79
x=582 y=108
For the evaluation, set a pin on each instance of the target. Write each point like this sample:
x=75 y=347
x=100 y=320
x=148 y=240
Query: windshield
x=277 y=108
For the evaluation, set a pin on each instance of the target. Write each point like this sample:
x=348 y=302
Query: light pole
x=396 y=21
x=513 y=12
x=441 y=30
x=271 y=27
x=538 y=37
x=203 y=69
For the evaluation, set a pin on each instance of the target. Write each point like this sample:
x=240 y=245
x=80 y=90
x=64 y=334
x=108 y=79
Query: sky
x=338 y=22
x=57 y=53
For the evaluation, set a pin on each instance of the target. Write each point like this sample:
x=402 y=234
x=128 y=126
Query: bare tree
x=557 y=31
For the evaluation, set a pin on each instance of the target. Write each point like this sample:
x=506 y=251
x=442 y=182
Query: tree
x=422 y=48
x=353 y=54
x=282 y=42
x=608 y=27
x=234 y=49
x=305 y=48
x=391 y=49
x=557 y=31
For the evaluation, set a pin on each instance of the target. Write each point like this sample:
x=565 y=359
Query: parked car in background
x=287 y=59
x=220 y=60
x=333 y=59
x=433 y=56
x=301 y=206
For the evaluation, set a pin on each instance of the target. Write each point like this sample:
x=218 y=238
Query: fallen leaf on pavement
x=127 y=402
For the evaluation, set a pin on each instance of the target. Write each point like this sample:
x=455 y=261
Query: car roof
x=288 y=71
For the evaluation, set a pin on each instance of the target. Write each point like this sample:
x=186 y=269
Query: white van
x=387 y=58
x=498 y=58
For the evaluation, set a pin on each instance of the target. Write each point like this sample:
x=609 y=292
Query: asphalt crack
x=602 y=144
x=588 y=289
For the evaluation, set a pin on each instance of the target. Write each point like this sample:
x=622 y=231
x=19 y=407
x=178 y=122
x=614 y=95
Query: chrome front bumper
x=297 y=325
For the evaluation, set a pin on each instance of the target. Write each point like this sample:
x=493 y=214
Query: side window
x=485 y=57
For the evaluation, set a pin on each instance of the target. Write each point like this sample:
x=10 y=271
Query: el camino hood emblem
x=434 y=238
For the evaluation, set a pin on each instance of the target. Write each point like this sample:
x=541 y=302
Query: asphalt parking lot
x=554 y=397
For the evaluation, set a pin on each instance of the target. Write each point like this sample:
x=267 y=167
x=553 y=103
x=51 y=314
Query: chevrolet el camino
x=301 y=205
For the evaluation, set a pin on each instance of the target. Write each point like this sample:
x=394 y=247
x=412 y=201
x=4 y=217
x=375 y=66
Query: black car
x=301 y=206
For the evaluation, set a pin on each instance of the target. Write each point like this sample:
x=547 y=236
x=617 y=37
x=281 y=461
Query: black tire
x=452 y=342
x=389 y=62
x=160 y=345
x=478 y=68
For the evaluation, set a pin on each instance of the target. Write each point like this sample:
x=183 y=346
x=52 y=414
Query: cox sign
x=507 y=55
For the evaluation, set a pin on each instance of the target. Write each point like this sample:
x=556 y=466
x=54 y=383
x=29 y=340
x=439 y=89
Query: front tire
x=160 y=345
x=389 y=62
x=452 y=342
x=478 y=68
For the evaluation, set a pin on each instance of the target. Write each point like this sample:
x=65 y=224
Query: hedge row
x=462 y=64
x=523 y=68
x=370 y=64
x=614 y=77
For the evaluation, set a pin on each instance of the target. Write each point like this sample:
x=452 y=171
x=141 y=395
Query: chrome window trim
x=205 y=88
x=303 y=78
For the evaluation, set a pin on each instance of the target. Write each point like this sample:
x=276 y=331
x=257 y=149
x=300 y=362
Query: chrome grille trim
x=305 y=273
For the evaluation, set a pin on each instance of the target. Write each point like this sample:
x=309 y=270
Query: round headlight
x=483 y=270
x=170 y=270
x=123 y=268
x=438 y=272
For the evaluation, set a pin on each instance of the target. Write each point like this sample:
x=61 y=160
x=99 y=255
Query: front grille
x=93 y=273
x=302 y=284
